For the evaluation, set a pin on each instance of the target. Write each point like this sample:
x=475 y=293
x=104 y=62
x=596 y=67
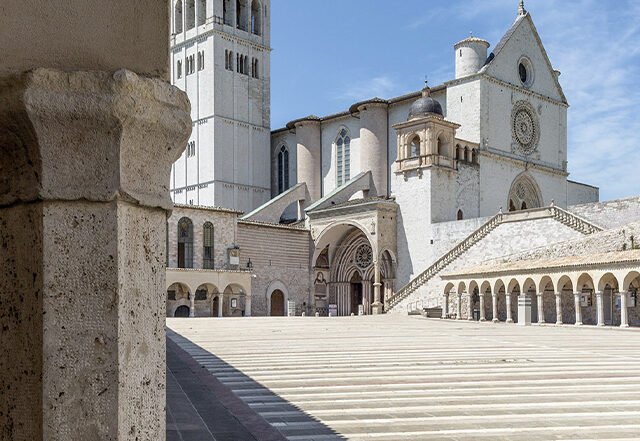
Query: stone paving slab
x=408 y=378
x=199 y=408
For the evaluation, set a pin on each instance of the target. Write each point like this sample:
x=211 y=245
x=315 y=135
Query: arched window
x=283 y=169
x=207 y=242
x=230 y=60
x=177 y=17
x=185 y=243
x=457 y=151
x=241 y=12
x=202 y=12
x=190 y=14
x=460 y=215
x=415 y=147
x=440 y=150
x=474 y=156
x=343 y=157
x=466 y=154
x=226 y=12
x=256 y=27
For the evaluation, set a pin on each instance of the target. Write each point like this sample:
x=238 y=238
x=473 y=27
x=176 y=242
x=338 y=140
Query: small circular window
x=525 y=71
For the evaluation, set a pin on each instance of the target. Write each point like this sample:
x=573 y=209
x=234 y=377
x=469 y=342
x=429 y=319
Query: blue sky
x=329 y=54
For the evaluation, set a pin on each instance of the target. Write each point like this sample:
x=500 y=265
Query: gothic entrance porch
x=354 y=258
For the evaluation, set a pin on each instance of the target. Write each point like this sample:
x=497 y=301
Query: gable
x=522 y=40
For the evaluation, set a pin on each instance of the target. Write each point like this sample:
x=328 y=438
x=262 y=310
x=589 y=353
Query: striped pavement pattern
x=409 y=378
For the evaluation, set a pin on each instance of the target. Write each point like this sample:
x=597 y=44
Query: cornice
x=219 y=32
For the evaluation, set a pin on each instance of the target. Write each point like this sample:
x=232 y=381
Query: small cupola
x=425 y=106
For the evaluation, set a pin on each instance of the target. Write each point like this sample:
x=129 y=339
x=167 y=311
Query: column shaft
x=482 y=317
x=459 y=307
x=624 y=312
x=83 y=208
x=558 y=308
x=578 y=308
x=445 y=306
x=600 y=307
x=494 y=301
x=540 y=308
x=509 y=315
x=377 y=305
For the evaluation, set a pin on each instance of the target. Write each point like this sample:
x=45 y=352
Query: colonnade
x=606 y=297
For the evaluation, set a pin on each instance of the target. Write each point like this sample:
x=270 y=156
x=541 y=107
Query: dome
x=425 y=105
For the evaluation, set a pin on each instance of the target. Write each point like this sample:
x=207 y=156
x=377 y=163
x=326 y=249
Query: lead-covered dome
x=425 y=105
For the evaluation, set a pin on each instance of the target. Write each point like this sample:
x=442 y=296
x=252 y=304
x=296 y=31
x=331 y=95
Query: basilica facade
x=394 y=193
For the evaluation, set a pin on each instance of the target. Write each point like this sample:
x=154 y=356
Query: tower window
x=191 y=149
x=190 y=15
x=177 y=17
x=179 y=69
x=256 y=27
x=460 y=215
x=343 y=157
x=202 y=12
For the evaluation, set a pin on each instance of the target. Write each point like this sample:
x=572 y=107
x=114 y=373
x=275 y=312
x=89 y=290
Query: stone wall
x=280 y=258
x=610 y=214
x=506 y=239
x=578 y=193
x=224 y=234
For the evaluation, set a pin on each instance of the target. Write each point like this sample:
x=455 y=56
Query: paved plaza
x=409 y=378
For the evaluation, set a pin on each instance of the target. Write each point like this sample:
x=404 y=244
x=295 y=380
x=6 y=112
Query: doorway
x=182 y=311
x=215 y=307
x=356 y=293
x=277 y=303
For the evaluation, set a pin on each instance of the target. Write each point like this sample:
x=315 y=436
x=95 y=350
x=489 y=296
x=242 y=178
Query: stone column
x=494 y=301
x=470 y=308
x=540 y=308
x=558 y=308
x=578 y=307
x=376 y=307
x=624 y=312
x=84 y=174
x=482 y=317
x=220 y=301
x=445 y=306
x=509 y=316
x=459 y=307
x=600 y=307
x=192 y=305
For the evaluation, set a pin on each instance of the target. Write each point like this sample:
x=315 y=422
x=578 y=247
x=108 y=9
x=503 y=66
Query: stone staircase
x=564 y=217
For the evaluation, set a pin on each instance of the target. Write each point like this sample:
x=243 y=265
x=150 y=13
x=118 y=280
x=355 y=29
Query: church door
x=277 y=303
x=182 y=311
x=215 y=307
x=356 y=293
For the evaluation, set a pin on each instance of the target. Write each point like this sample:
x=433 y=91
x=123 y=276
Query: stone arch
x=340 y=228
x=524 y=193
x=234 y=291
x=204 y=306
x=607 y=279
x=627 y=284
x=181 y=297
x=277 y=285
